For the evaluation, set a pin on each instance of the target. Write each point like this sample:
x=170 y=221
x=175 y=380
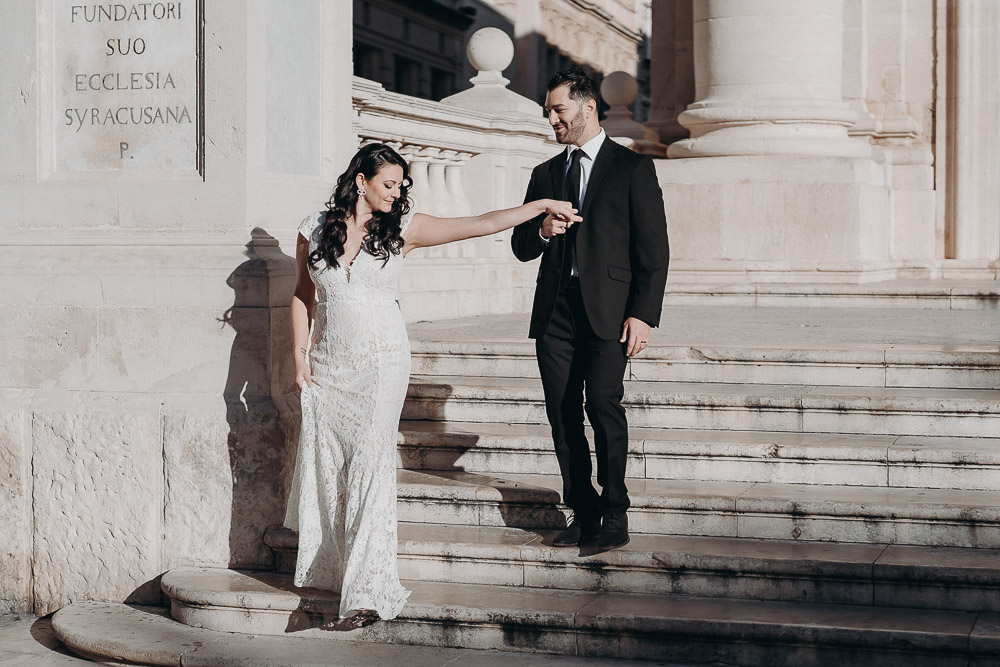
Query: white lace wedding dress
x=342 y=500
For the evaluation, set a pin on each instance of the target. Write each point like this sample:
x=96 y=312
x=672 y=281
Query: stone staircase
x=798 y=499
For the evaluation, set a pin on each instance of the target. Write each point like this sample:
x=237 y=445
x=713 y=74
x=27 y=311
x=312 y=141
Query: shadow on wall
x=262 y=404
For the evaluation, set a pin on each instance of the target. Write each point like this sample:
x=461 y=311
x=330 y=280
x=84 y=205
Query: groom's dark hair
x=581 y=86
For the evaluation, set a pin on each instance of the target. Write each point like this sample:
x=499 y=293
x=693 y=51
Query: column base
x=723 y=144
x=794 y=128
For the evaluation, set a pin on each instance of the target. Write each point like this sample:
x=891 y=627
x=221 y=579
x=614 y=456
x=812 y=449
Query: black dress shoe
x=614 y=530
x=580 y=530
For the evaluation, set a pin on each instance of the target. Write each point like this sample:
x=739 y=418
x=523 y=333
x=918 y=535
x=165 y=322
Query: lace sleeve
x=404 y=222
x=309 y=224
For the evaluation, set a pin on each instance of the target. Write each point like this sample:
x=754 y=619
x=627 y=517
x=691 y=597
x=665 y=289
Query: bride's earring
x=362 y=192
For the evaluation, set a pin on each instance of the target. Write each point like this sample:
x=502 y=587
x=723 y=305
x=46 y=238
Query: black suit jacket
x=621 y=244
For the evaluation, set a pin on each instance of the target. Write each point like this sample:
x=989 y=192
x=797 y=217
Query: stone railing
x=470 y=153
x=439 y=140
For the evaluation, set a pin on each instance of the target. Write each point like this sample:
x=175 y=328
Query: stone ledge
x=801 y=512
x=793 y=408
x=806 y=346
x=731 y=283
x=801 y=329
x=974 y=367
x=107 y=632
x=618 y=624
x=967 y=355
x=711 y=455
x=719 y=394
x=864 y=574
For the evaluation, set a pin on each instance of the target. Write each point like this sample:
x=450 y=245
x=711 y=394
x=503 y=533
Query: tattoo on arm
x=303 y=350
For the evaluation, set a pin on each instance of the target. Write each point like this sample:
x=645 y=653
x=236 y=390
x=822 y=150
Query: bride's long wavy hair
x=383 y=235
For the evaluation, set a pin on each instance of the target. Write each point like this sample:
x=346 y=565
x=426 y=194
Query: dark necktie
x=573 y=178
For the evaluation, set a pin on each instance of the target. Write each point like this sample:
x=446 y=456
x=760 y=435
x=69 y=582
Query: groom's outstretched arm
x=526 y=241
x=650 y=251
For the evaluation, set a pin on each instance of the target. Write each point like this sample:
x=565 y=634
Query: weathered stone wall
x=146 y=402
x=15 y=502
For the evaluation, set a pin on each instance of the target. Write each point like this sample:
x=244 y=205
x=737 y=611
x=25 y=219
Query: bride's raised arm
x=427 y=230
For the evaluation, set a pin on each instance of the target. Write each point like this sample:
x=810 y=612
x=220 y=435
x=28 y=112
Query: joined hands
x=560 y=217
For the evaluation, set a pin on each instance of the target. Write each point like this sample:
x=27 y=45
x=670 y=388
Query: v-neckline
x=347 y=267
x=361 y=247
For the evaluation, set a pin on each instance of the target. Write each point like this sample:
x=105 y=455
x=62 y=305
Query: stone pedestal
x=490 y=51
x=767 y=81
x=796 y=219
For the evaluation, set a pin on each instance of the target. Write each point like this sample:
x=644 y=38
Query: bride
x=354 y=372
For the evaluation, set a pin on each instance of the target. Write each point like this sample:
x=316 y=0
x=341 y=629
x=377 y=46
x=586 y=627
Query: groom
x=600 y=289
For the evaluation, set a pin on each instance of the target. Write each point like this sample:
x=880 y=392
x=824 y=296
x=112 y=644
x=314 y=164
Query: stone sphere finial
x=490 y=50
x=619 y=89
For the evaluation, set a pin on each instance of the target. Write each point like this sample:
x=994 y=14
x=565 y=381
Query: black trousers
x=575 y=364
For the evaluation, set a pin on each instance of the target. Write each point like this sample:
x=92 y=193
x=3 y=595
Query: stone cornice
x=604 y=15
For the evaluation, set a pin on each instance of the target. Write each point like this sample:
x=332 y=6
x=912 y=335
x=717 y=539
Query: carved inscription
x=126 y=85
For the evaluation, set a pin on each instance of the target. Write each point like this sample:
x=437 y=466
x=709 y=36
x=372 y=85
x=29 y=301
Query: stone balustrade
x=470 y=153
x=439 y=140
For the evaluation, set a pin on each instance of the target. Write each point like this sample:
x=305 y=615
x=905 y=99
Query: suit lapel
x=605 y=157
x=557 y=172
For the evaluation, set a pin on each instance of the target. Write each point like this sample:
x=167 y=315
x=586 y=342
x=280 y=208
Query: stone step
x=901 y=294
x=929 y=517
x=718 y=406
x=112 y=633
x=861 y=574
x=720 y=456
x=630 y=625
x=872 y=365
x=756 y=345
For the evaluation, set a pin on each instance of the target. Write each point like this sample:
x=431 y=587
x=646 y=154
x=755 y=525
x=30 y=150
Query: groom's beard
x=574 y=130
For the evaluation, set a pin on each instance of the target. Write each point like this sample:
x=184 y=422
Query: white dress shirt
x=590 y=151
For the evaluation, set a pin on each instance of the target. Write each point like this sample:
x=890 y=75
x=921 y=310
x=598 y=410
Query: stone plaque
x=126 y=85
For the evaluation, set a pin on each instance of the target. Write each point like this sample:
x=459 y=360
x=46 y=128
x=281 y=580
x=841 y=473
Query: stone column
x=972 y=177
x=671 y=68
x=768 y=81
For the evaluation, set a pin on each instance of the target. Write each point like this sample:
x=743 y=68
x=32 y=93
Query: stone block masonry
x=96 y=506
x=145 y=417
